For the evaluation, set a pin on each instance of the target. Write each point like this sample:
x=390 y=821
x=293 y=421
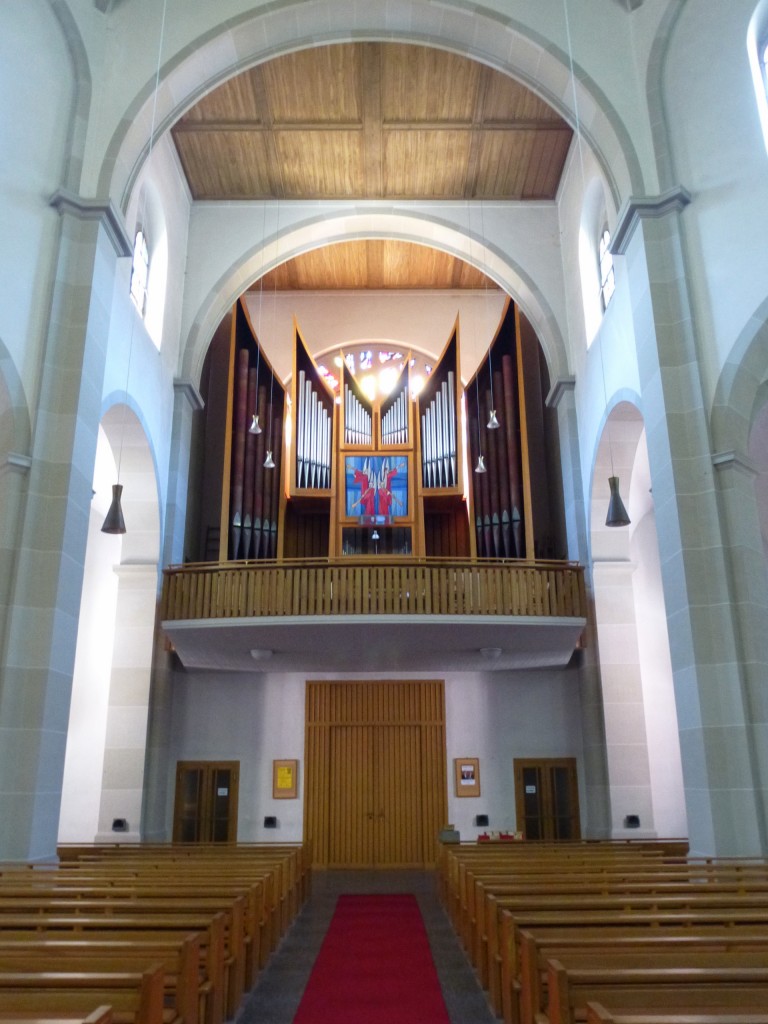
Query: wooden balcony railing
x=381 y=586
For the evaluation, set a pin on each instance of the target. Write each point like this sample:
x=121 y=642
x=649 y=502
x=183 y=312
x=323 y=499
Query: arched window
x=140 y=272
x=607 y=279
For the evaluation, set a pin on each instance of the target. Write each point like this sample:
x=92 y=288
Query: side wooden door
x=205 y=806
x=547 y=798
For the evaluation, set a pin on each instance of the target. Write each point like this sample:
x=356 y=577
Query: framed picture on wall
x=285 y=780
x=467 y=775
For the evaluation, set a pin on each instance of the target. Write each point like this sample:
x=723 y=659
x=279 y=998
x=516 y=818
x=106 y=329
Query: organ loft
x=322 y=466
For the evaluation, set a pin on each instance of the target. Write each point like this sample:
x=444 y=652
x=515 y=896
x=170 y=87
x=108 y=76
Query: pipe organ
x=501 y=502
x=250 y=506
x=314 y=415
x=438 y=408
x=394 y=474
x=358 y=412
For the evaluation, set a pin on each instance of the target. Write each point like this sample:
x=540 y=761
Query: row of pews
x=144 y=934
x=611 y=932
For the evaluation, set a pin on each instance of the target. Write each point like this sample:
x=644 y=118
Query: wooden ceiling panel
x=321 y=164
x=420 y=85
x=241 y=169
x=546 y=168
x=378 y=263
x=373 y=120
x=425 y=163
x=236 y=101
x=507 y=102
x=322 y=86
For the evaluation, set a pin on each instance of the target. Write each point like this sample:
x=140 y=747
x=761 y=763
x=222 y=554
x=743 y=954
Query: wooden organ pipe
x=274 y=505
x=250 y=454
x=492 y=476
x=503 y=468
x=238 y=451
x=258 y=474
x=513 y=455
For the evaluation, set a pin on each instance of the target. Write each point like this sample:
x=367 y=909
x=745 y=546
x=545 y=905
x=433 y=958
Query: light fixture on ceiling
x=490 y=653
x=114 y=522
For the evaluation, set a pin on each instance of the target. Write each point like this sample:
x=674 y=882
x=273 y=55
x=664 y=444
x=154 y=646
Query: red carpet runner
x=374 y=967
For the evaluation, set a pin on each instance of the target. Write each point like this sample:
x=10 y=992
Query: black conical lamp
x=114 y=522
x=617 y=514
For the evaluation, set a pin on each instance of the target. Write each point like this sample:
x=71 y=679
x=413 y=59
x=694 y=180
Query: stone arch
x=654 y=91
x=348 y=225
x=73 y=169
x=106 y=737
x=642 y=742
x=481 y=34
x=739 y=388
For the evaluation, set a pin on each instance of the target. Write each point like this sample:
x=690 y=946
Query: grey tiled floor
x=280 y=987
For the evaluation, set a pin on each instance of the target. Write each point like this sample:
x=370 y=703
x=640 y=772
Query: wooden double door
x=205 y=807
x=547 y=798
x=376 y=791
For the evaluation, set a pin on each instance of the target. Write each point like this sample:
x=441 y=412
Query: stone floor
x=279 y=989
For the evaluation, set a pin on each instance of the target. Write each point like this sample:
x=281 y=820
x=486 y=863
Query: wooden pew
x=180 y=963
x=607 y=924
x=538 y=998
x=146 y=929
x=570 y=989
x=536 y=949
x=155 y=909
x=101 y=1015
x=598 y=1014
x=135 y=997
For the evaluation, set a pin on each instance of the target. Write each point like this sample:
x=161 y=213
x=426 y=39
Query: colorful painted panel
x=376 y=487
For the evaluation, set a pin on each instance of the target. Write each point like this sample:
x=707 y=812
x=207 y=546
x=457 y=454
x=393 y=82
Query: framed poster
x=376 y=488
x=467 y=772
x=285 y=778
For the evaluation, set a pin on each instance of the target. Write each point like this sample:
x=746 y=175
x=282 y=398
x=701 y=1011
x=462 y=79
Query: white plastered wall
x=256 y=718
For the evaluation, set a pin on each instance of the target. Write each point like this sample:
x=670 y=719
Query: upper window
x=607 y=279
x=140 y=272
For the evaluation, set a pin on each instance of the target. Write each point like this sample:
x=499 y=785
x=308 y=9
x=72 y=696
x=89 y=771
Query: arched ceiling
x=373 y=121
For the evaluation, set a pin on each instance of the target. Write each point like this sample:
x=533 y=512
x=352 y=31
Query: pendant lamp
x=114 y=522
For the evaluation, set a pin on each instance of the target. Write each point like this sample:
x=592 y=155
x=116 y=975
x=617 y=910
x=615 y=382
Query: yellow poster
x=285 y=776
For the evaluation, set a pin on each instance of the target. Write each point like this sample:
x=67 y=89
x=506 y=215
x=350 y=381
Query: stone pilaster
x=715 y=734
x=594 y=764
x=43 y=620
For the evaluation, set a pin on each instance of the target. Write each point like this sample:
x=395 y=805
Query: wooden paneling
x=381 y=586
x=378 y=263
x=376 y=791
x=371 y=120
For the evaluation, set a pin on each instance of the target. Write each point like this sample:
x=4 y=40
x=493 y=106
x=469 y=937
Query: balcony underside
x=382 y=616
x=375 y=643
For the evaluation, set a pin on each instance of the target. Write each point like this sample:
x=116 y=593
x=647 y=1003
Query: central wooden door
x=376 y=783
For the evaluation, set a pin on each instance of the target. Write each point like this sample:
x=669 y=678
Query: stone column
x=594 y=764
x=14 y=473
x=44 y=605
x=155 y=811
x=735 y=480
x=125 y=745
x=187 y=401
x=622 y=689
x=715 y=735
